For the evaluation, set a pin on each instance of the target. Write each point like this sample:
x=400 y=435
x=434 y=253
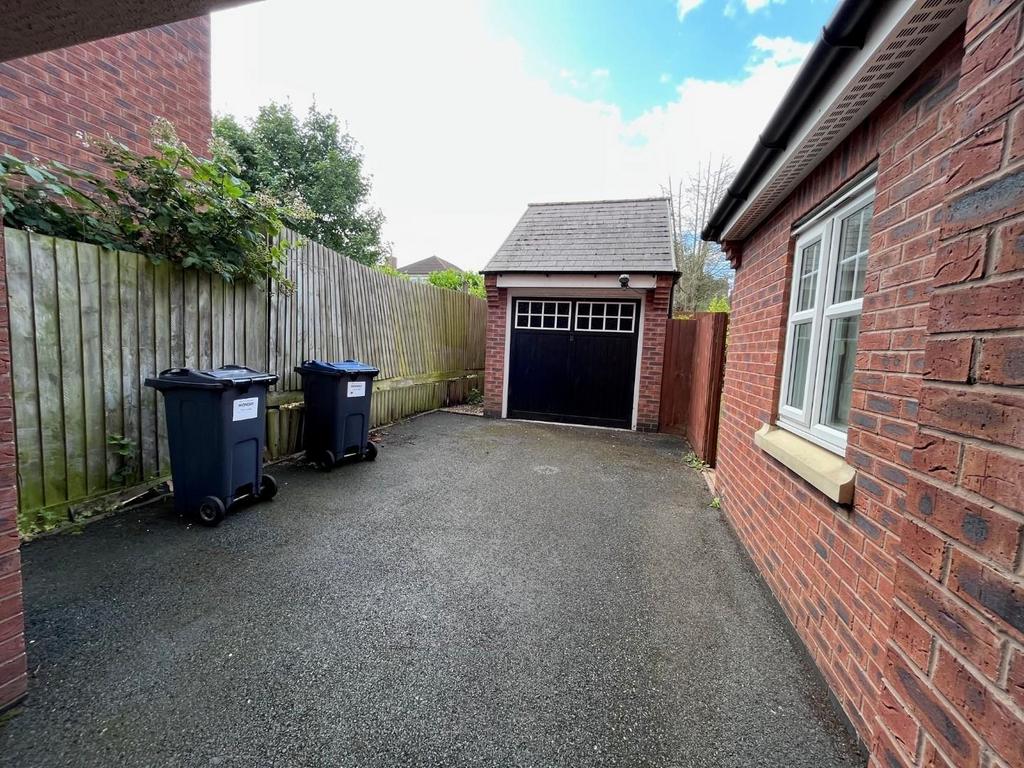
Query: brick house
x=871 y=448
x=577 y=298
x=113 y=86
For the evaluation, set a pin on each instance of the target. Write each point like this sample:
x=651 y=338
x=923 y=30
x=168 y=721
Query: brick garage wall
x=116 y=86
x=910 y=602
x=656 y=313
x=494 y=354
x=656 y=309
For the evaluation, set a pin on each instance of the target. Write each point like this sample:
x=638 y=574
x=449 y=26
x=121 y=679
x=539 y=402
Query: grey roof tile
x=595 y=236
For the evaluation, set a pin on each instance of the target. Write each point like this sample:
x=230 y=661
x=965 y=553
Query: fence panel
x=691 y=386
x=89 y=325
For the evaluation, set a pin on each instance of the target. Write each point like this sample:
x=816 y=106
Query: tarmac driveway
x=487 y=593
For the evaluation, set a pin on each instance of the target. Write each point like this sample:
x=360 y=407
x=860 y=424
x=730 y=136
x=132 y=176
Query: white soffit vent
x=896 y=46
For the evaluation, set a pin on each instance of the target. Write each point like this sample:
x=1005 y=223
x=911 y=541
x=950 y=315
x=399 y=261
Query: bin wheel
x=268 y=488
x=210 y=511
x=370 y=452
x=326 y=461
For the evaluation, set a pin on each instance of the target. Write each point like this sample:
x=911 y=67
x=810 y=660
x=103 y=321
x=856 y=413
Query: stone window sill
x=821 y=468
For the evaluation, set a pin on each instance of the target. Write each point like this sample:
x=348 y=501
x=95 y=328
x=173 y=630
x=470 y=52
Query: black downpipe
x=840 y=38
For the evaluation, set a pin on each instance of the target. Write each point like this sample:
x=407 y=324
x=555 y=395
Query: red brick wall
x=494 y=355
x=911 y=602
x=116 y=86
x=13 y=672
x=959 y=670
x=656 y=312
x=656 y=307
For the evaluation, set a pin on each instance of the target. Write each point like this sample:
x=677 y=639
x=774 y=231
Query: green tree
x=704 y=271
x=467 y=282
x=719 y=304
x=315 y=159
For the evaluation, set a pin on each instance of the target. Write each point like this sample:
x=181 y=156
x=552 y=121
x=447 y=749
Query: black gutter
x=841 y=38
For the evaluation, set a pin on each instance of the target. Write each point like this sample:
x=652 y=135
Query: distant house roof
x=594 y=236
x=428 y=265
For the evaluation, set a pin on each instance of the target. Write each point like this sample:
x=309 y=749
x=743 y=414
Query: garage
x=578 y=295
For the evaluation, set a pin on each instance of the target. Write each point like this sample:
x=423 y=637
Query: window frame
x=807 y=421
x=556 y=315
x=605 y=303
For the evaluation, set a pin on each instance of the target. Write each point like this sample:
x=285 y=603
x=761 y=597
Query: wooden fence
x=89 y=325
x=691 y=385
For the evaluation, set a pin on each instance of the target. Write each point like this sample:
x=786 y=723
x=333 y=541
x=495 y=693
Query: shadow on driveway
x=486 y=593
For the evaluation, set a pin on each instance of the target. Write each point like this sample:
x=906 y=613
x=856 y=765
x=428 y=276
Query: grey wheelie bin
x=216 y=429
x=337 y=403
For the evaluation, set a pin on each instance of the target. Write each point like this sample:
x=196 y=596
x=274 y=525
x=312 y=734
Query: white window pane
x=612 y=310
x=627 y=310
x=563 y=308
x=563 y=322
x=583 y=323
x=583 y=309
x=798 y=364
x=597 y=324
x=549 y=321
x=842 y=352
x=521 y=320
x=855 y=234
x=535 y=321
x=626 y=324
x=807 y=284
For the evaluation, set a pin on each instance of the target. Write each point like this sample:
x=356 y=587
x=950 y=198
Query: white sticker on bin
x=246 y=408
x=357 y=389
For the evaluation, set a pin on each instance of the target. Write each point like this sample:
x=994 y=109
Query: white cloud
x=781 y=50
x=600 y=73
x=752 y=6
x=457 y=134
x=683 y=7
x=665 y=78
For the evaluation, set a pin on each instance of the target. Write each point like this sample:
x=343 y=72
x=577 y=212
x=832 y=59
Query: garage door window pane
x=543 y=314
x=613 y=316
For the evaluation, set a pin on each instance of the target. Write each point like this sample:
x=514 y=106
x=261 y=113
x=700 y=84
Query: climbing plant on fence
x=170 y=205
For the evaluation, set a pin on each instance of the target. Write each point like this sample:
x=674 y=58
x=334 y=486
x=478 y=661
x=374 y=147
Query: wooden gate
x=691 y=384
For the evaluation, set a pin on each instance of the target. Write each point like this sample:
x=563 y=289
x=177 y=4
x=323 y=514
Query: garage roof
x=592 y=236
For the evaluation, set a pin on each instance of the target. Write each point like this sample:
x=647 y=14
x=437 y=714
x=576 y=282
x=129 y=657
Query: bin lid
x=224 y=377
x=337 y=368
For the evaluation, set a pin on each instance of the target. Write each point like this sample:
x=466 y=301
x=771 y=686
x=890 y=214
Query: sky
x=468 y=110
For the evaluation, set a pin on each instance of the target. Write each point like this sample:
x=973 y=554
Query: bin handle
x=173 y=371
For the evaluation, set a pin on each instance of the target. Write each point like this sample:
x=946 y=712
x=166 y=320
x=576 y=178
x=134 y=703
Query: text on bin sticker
x=246 y=408
x=357 y=389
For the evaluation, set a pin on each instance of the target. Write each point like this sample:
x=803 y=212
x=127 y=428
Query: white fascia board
x=570 y=280
x=895 y=37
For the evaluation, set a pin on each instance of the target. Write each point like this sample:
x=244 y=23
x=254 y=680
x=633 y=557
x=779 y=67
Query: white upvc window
x=824 y=317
